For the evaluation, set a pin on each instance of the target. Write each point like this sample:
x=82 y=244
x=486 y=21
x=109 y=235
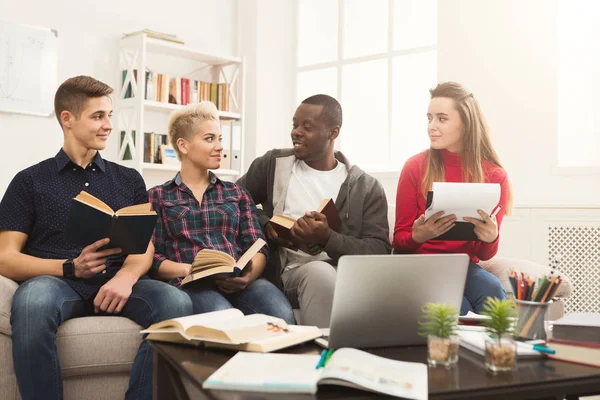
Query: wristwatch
x=69 y=269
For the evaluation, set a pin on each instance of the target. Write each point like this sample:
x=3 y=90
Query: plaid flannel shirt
x=225 y=220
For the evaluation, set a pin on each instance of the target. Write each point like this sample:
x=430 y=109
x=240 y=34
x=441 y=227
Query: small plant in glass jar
x=438 y=323
x=500 y=346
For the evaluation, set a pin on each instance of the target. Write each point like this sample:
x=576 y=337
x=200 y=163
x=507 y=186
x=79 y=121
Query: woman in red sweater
x=461 y=151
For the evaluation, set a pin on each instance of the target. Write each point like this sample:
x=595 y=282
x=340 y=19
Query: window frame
x=340 y=62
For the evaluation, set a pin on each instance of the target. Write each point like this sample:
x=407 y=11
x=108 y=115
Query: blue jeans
x=260 y=297
x=41 y=304
x=480 y=285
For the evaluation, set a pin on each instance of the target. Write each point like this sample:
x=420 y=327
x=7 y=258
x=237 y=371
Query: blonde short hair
x=184 y=122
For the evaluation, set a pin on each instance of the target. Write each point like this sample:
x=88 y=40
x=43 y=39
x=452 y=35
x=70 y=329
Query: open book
x=232 y=329
x=283 y=224
x=297 y=373
x=130 y=228
x=462 y=200
x=210 y=262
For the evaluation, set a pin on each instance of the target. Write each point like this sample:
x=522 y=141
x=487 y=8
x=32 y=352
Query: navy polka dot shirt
x=38 y=200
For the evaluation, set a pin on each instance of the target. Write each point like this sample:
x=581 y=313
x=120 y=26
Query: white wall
x=506 y=53
x=267 y=41
x=88 y=33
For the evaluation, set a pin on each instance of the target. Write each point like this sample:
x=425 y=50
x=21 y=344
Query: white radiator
x=577 y=249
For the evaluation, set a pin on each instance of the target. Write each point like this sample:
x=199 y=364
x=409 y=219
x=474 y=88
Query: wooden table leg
x=166 y=381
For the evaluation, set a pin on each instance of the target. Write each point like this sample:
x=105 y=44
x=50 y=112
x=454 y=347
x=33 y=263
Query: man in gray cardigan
x=293 y=182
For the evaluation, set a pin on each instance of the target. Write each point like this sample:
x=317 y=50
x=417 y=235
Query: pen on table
x=538 y=347
x=496 y=211
x=327 y=357
x=322 y=359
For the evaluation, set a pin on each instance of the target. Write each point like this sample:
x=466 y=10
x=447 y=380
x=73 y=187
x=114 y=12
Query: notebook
x=297 y=373
x=462 y=200
x=474 y=340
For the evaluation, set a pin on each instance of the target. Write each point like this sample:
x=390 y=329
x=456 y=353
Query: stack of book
x=576 y=338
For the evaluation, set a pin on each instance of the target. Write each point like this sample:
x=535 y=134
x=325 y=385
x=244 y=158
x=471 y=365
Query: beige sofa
x=96 y=353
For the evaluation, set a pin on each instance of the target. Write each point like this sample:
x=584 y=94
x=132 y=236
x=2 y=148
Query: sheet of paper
x=463 y=199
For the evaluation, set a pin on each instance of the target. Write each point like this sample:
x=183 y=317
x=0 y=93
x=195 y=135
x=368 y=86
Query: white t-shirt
x=307 y=189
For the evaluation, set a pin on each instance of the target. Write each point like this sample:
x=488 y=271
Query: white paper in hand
x=463 y=199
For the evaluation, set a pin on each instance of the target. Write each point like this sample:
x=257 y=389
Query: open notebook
x=297 y=373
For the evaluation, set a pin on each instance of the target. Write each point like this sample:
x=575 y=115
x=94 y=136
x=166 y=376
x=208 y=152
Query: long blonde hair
x=476 y=142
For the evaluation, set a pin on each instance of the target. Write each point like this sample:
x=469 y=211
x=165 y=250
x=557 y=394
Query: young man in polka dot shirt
x=60 y=280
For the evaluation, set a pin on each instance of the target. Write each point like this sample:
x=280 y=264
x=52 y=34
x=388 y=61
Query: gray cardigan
x=361 y=204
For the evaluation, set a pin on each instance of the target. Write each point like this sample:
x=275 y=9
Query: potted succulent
x=438 y=324
x=500 y=346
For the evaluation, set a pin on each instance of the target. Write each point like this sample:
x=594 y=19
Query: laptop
x=378 y=298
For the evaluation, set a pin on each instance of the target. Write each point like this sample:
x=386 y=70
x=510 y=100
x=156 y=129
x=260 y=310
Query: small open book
x=130 y=228
x=283 y=224
x=210 y=262
x=462 y=200
x=297 y=373
x=232 y=329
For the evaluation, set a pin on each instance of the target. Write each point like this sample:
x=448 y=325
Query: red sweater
x=410 y=204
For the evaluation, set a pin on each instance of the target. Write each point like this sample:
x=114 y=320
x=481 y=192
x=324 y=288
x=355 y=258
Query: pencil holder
x=532 y=317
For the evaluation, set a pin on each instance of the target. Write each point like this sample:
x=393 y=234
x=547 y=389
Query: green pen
x=327 y=357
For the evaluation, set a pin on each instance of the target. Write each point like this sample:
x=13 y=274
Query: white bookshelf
x=136 y=115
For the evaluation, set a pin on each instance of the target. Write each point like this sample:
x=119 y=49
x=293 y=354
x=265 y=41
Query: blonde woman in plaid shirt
x=197 y=210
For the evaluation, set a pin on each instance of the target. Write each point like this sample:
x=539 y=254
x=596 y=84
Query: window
x=578 y=83
x=379 y=59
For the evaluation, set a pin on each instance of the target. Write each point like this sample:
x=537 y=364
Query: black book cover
x=462 y=230
x=131 y=233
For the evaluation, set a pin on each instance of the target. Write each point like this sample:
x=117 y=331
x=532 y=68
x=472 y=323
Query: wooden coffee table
x=532 y=379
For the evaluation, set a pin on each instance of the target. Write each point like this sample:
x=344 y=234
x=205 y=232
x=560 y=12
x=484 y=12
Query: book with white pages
x=462 y=200
x=471 y=316
x=232 y=329
x=297 y=373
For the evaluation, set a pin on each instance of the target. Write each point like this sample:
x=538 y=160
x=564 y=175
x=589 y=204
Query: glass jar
x=500 y=354
x=442 y=351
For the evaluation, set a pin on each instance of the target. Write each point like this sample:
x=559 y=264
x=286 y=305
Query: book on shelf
x=156 y=35
x=152 y=144
x=149 y=93
x=180 y=90
x=282 y=224
x=209 y=262
x=129 y=228
x=578 y=327
x=231 y=329
x=297 y=373
x=462 y=200
x=575 y=352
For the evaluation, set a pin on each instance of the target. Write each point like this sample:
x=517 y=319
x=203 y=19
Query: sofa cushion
x=7 y=289
x=96 y=345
